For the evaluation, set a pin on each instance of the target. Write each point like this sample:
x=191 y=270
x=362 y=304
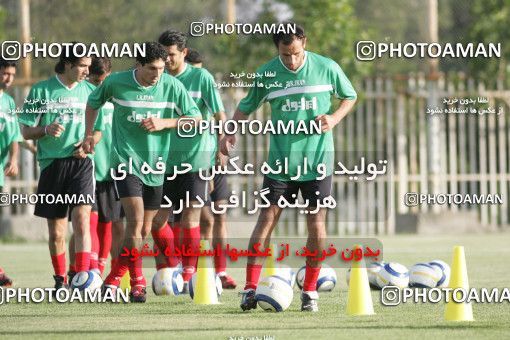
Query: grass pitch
x=178 y=317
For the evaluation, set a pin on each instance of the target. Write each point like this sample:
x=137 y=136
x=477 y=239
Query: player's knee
x=207 y=222
x=206 y=231
x=56 y=235
x=220 y=218
x=81 y=215
x=145 y=231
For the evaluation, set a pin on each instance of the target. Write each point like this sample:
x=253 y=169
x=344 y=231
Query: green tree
x=490 y=20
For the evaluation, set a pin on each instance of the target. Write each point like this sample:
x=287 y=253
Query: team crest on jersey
x=107 y=119
x=138 y=117
x=300 y=105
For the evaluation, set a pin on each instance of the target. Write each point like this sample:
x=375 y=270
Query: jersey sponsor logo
x=292 y=83
x=144 y=97
x=300 y=105
x=67 y=100
x=138 y=117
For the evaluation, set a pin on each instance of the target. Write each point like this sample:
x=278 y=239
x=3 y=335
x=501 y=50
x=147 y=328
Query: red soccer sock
x=252 y=275
x=161 y=266
x=311 y=275
x=94 y=250
x=120 y=266
x=104 y=232
x=72 y=268
x=59 y=265
x=177 y=231
x=220 y=261
x=136 y=273
x=82 y=261
x=190 y=240
x=164 y=239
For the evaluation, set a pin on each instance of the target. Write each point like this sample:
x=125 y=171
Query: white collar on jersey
x=136 y=81
x=64 y=85
x=183 y=70
x=299 y=68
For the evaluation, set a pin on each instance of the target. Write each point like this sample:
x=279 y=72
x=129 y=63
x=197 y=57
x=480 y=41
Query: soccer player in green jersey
x=53 y=114
x=110 y=214
x=308 y=81
x=193 y=57
x=215 y=225
x=107 y=207
x=10 y=135
x=146 y=103
x=200 y=151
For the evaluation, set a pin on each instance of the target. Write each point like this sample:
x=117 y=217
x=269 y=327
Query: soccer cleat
x=70 y=276
x=227 y=282
x=5 y=281
x=185 y=288
x=138 y=294
x=309 y=302
x=59 y=283
x=248 y=300
x=106 y=287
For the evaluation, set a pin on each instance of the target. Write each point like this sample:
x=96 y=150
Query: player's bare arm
x=36 y=132
x=328 y=122
x=89 y=142
x=228 y=142
x=11 y=168
x=152 y=124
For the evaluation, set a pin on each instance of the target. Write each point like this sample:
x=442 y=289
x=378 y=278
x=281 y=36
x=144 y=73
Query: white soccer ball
x=274 y=294
x=445 y=270
x=167 y=281
x=327 y=279
x=193 y=285
x=393 y=274
x=423 y=275
x=372 y=270
x=325 y=282
x=286 y=273
x=86 y=280
x=300 y=277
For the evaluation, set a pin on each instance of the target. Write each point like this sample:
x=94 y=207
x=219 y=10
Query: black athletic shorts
x=191 y=182
x=175 y=190
x=66 y=182
x=132 y=186
x=220 y=189
x=308 y=189
x=108 y=202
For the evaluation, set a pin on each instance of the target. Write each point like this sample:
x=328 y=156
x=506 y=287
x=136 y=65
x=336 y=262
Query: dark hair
x=7 y=63
x=100 y=66
x=153 y=51
x=170 y=37
x=287 y=38
x=72 y=58
x=193 y=57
